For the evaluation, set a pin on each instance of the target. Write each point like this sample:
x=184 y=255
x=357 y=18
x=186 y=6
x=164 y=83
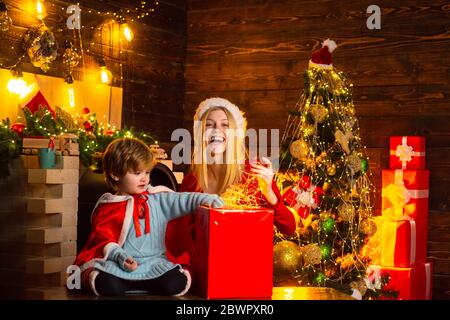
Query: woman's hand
x=264 y=173
x=130 y=264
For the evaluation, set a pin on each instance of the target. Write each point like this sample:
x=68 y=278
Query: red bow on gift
x=303 y=197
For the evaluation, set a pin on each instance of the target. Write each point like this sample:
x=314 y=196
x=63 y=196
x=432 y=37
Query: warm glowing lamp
x=17 y=85
x=40 y=9
x=105 y=74
x=127 y=32
x=69 y=82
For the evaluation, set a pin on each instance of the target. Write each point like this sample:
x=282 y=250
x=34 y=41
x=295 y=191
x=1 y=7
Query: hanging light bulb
x=40 y=9
x=127 y=32
x=17 y=85
x=69 y=82
x=5 y=20
x=105 y=74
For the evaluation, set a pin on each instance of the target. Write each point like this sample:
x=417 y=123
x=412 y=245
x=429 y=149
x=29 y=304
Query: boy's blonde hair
x=126 y=155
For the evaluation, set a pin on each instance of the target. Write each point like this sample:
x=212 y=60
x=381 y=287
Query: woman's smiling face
x=216 y=128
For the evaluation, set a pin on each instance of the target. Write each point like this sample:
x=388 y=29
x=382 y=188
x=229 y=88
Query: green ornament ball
x=326 y=251
x=364 y=165
x=320 y=278
x=328 y=225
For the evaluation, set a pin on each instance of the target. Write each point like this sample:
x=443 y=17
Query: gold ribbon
x=399 y=196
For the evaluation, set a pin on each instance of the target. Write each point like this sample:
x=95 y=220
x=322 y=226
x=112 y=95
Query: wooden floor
x=279 y=293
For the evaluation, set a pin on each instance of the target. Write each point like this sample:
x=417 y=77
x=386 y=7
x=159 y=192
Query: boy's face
x=134 y=182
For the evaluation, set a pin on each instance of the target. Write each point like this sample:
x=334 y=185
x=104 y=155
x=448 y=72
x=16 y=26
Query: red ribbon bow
x=140 y=211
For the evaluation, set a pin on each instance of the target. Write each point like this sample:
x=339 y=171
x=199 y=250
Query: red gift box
x=413 y=283
x=402 y=241
x=405 y=193
x=407 y=152
x=234 y=253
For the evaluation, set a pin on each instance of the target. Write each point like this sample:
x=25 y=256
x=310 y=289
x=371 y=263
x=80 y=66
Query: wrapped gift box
x=233 y=253
x=402 y=241
x=407 y=152
x=411 y=283
x=405 y=192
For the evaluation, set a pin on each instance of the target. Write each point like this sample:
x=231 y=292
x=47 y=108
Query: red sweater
x=181 y=232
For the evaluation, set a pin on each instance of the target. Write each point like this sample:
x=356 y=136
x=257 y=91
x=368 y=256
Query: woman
x=218 y=161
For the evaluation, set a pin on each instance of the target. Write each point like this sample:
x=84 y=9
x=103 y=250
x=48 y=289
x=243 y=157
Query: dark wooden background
x=254 y=53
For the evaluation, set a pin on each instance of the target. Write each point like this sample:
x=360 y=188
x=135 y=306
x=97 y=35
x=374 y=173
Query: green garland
x=92 y=138
x=10 y=146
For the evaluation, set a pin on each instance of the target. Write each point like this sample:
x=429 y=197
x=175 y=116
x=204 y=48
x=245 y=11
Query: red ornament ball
x=18 y=128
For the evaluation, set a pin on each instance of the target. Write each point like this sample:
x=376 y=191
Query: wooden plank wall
x=152 y=64
x=254 y=53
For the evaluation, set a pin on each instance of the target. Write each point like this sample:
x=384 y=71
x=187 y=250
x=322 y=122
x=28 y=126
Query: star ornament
x=343 y=139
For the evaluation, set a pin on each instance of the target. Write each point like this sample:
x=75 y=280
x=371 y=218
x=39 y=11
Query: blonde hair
x=234 y=153
x=125 y=155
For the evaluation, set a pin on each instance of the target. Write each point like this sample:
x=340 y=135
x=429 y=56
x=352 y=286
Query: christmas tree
x=325 y=182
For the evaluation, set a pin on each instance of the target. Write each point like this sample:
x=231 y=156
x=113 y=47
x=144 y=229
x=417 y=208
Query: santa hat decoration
x=205 y=105
x=322 y=57
x=34 y=100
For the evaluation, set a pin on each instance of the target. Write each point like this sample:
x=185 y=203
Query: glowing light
x=40 y=9
x=70 y=91
x=17 y=85
x=105 y=74
x=127 y=32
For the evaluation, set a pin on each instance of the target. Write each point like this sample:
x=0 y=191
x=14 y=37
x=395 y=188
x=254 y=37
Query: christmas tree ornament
x=320 y=278
x=359 y=285
x=312 y=254
x=326 y=251
x=354 y=163
x=299 y=149
x=349 y=122
x=71 y=58
x=5 y=20
x=343 y=139
x=364 y=165
x=308 y=130
x=287 y=256
x=326 y=186
x=368 y=227
x=303 y=197
x=319 y=113
x=328 y=225
x=331 y=170
x=305 y=182
x=18 y=128
x=41 y=46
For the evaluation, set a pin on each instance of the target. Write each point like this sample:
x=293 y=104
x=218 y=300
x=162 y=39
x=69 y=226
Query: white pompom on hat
x=205 y=105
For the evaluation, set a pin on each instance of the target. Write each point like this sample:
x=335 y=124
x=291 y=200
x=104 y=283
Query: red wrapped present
x=402 y=241
x=407 y=152
x=233 y=253
x=405 y=193
x=413 y=283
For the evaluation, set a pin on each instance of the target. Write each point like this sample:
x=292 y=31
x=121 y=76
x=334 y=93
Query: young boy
x=125 y=250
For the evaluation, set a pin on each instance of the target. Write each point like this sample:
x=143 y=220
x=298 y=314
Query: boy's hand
x=130 y=264
x=214 y=202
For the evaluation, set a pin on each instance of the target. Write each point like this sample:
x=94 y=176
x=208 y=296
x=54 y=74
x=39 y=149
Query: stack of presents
x=402 y=226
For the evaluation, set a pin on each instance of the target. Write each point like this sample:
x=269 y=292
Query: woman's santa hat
x=216 y=102
x=322 y=57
